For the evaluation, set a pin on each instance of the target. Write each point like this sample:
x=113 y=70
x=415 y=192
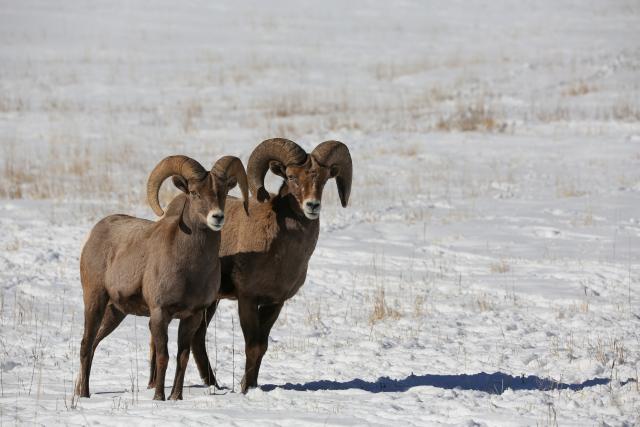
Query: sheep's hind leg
x=158 y=325
x=268 y=316
x=111 y=320
x=186 y=330
x=256 y=324
x=199 y=349
x=94 y=305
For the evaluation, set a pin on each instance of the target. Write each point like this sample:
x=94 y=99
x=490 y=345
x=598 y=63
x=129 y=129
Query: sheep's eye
x=194 y=194
x=292 y=178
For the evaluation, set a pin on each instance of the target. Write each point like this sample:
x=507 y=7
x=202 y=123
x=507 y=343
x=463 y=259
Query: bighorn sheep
x=164 y=270
x=265 y=258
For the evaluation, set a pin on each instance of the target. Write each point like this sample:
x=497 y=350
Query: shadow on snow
x=495 y=383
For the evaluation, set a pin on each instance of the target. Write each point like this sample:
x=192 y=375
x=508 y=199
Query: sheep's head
x=206 y=191
x=305 y=174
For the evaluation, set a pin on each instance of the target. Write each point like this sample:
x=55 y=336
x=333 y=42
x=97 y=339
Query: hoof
x=245 y=387
x=211 y=382
x=175 y=397
x=81 y=393
x=158 y=396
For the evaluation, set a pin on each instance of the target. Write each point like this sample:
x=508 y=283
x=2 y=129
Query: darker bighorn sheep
x=165 y=270
x=265 y=258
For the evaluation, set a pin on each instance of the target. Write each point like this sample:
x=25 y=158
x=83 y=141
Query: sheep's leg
x=199 y=349
x=94 y=305
x=250 y=323
x=256 y=323
x=110 y=321
x=158 y=325
x=186 y=330
x=268 y=316
x=152 y=364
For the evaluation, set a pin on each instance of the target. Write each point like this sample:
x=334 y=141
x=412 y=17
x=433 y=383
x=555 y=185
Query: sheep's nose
x=312 y=205
x=215 y=219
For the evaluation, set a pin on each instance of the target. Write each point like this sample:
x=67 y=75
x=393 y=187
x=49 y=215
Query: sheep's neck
x=291 y=201
x=291 y=215
x=191 y=231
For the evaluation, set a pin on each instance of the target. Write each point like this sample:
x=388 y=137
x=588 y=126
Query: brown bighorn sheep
x=165 y=270
x=265 y=258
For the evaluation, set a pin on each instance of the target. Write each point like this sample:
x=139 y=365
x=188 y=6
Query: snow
x=485 y=272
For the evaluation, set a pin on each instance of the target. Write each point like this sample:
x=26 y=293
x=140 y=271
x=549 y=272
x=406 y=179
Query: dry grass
x=470 y=118
x=313 y=317
x=302 y=112
x=192 y=111
x=306 y=103
x=584 y=219
x=568 y=189
x=606 y=351
x=405 y=150
x=550 y=115
x=13 y=245
x=69 y=165
x=12 y=104
x=622 y=110
x=500 y=267
x=389 y=71
x=625 y=111
x=584 y=307
x=419 y=309
x=483 y=303
x=67 y=169
x=381 y=310
x=579 y=89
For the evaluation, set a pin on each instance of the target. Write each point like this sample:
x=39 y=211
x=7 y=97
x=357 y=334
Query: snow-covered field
x=486 y=272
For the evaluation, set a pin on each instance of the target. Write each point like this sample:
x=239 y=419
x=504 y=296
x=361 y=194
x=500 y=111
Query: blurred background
x=93 y=94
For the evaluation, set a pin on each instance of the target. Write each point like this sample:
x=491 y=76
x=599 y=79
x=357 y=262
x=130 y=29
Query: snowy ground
x=486 y=271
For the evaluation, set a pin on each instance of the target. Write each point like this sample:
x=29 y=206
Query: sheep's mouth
x=312 y=215
x=311 y=208
x=215 y=227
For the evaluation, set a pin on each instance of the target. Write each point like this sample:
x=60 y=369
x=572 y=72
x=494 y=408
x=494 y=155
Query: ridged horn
x=231 y=167
x=173 y=165
x=283 y=150
x=334 y=154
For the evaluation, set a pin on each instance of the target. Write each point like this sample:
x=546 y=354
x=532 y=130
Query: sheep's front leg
x=186 y=330
x=158 y=325
x=256 y=323
x=152 y=364
x=199 y=349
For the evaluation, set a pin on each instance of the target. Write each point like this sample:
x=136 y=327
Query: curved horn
x=280 y=149
x=172 y=165
x=335 y=155
x=230 y=166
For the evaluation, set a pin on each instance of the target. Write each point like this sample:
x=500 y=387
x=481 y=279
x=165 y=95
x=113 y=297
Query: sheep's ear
x=278 y=169
x=231 y=183
x=180 y=183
